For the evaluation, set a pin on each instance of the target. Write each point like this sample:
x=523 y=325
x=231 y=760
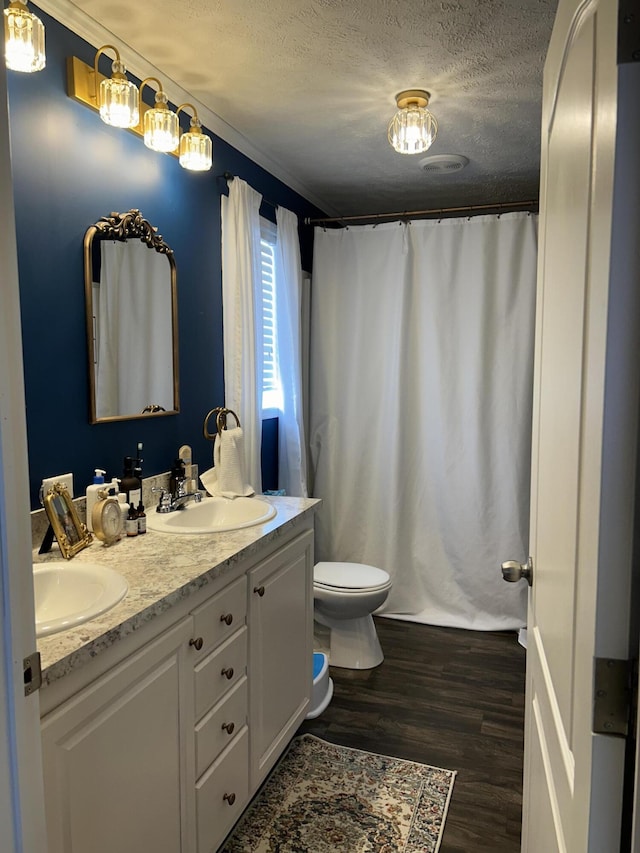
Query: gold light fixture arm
x=96 y=73
x=187 y=104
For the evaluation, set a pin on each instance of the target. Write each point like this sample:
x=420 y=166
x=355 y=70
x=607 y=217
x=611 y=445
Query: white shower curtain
x=241 y=293
x=421 y=387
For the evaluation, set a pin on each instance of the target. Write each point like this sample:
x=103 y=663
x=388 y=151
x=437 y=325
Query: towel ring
x=221 y=422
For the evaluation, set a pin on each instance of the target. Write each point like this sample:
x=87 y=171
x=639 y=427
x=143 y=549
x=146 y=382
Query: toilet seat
x=349 y=577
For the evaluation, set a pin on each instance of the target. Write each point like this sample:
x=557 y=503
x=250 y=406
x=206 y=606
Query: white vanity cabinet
x=280 y=651
x=116 y=755
x=159 y=743
x=221 y=713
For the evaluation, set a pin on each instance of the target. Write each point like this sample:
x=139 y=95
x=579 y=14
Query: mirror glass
x=132 y=322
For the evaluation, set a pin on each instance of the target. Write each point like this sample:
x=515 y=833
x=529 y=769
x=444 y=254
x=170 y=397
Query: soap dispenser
x=92 y=494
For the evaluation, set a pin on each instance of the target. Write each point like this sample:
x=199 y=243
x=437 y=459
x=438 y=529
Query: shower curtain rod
x=435 y=211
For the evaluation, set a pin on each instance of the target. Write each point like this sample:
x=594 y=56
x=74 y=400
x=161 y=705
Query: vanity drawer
x=211 y=737
x=228 y=776
x=217 y=673
x=221 y=616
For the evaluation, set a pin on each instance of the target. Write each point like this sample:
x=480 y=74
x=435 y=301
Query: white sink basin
x=212 y=515
x=68 y=594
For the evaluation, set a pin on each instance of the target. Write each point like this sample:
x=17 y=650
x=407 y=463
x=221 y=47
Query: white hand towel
x=227 y=477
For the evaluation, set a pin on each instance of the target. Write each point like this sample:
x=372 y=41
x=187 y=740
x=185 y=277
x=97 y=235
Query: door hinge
x=32 y=673
x=628 y=31
x=614 y=696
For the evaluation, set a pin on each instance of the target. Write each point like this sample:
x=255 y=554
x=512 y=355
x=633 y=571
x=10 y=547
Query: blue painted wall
x=69 y=169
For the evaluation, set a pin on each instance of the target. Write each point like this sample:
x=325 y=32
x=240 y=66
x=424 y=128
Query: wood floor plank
x=450 y=698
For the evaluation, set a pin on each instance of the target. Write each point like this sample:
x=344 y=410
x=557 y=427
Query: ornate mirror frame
x=125 y=226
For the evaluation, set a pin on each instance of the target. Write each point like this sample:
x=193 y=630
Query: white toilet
x=344 y=597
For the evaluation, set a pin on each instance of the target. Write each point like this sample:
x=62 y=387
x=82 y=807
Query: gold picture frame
x=71 y=533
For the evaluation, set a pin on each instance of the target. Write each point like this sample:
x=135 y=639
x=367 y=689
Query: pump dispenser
x=130 y=483
x=92 y=493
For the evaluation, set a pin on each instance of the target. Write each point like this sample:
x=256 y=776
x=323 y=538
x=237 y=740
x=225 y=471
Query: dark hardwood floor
x=451 y=698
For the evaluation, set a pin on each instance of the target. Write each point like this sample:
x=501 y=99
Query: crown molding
x=83 y=25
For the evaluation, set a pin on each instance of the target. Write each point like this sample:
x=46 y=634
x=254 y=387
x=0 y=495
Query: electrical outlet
x=65 y=479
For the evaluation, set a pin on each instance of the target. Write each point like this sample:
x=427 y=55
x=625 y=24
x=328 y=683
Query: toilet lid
x=349 y=575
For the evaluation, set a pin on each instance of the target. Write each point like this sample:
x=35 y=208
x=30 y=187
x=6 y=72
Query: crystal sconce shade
x=118 y=98
x=413 y=128
x=23 y=38
x=160 y=124
x=195 y=146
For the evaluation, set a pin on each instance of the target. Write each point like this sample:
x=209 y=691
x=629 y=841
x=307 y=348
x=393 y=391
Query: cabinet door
x=118 y=756
x=280 y=650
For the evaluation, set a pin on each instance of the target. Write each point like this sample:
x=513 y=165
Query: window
x=271 y=389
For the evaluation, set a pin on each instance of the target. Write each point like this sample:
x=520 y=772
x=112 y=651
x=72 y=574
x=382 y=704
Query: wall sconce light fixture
x=117 y=97
x=23 y=38
x=195 y=146
x=413 y=128
x=120 y=104
x=160 y=125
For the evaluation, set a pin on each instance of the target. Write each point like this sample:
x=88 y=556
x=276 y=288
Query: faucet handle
x=164 y=500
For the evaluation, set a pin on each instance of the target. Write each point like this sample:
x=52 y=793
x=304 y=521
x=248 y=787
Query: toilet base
x=354 y=643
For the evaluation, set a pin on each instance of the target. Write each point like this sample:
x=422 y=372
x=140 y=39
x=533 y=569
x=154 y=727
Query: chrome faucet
x=170 y=502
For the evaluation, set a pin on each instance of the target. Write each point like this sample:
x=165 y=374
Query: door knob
x=513 y=571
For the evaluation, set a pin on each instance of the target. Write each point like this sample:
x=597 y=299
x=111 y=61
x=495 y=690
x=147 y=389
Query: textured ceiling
x=311 y=84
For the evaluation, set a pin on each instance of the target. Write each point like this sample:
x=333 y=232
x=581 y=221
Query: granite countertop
x=161 y=570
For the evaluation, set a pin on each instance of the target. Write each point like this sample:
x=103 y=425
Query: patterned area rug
x=323 y=798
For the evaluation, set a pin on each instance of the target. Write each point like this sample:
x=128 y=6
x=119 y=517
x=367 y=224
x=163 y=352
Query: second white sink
x=212 y=515
x=68 y=594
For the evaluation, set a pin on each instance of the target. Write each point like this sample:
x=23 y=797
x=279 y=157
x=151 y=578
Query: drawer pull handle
x=227 y=618
x=197 y=643
x=228 y=671
x=230 y=798
x=259 y=590
x=228 y=727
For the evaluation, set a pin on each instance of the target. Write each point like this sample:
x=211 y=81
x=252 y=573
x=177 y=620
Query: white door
x=584 y=435
x=21 y=802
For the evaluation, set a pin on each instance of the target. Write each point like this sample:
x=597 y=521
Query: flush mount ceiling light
x=413 y=128
x=117 y=97
x=195 y=146
x=23 y=38
x=161 y=126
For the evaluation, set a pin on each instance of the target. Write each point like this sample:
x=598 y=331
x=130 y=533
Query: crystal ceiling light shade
x=118 y=98
x=413 y=128
x=160 y=124
x=195 y=151
x=23 y=38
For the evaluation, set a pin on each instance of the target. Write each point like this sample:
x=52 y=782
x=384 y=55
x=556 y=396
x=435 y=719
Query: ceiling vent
x=443 y=164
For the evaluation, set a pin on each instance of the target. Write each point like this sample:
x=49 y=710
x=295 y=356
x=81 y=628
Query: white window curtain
x=421 y=400
x=292 y=465
x=242 y=334
x=134 y=334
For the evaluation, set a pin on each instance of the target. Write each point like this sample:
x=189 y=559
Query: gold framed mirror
x=71 y=533
x=132 y=320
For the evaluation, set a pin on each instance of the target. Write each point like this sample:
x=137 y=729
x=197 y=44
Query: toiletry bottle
x=141 y=517
x=92 y=494
x=124 y=509
x=185 y=454
x=131 y=526
x=177 y=474
x=130 y=484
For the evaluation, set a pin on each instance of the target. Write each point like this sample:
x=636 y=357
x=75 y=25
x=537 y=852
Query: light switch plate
x=65 y=479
